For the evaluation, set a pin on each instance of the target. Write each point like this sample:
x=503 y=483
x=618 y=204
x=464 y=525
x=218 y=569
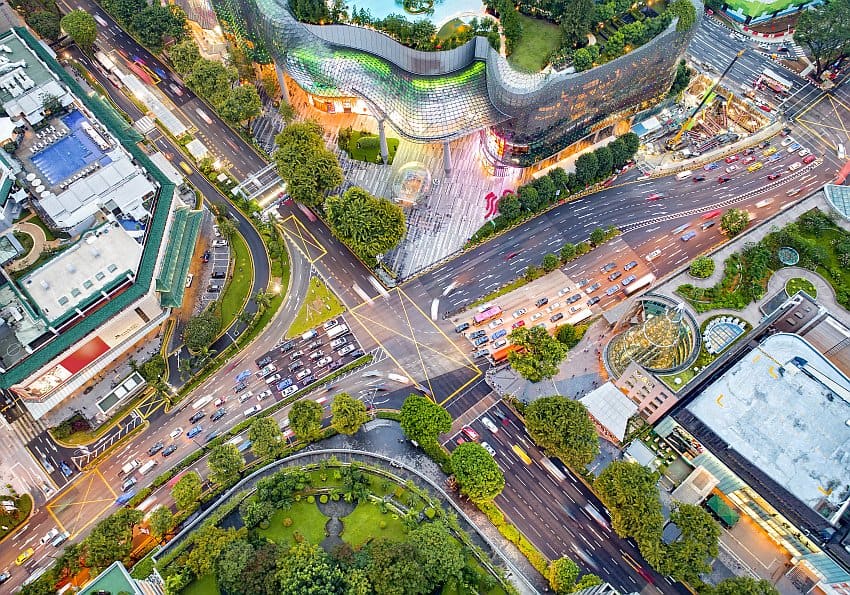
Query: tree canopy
x=423 y=420
x=201 y=330
x=242 y=103
x=825 y=31
x=161 y=521
x=394 y=568
x=367 y=224
x=184 y=55
x=439 y=554
x=542 y=356
x=187 y=491
x=309 y=169
x=111 y=539
x=740 y=585
x=81 y=27
x=476 y=472
x=307 y=569
x=154 y=24
x=563 y=429
x=690 y=556
x=305 y=419
x=225 y=463
x=347 y=414
x=265 y=437
x=45 y=23
x=734 y=221
x=563 y=574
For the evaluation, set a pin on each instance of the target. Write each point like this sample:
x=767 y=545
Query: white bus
x=337 y=331
x=764 y=203
x=201 y=402
x=204 y=116
x=684 y=175
x=842 y=152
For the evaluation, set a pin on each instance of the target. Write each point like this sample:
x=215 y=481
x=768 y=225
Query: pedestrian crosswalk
x=28 y=428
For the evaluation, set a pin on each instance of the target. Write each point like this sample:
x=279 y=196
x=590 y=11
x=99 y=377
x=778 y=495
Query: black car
x=240 y=387
x=541 y=302
x=574 y=298
x=461 y=327
x=699 y=178
x=608 y=267
x=196 y=417
x=593 y=300
x=295 y=366
x=264 y=362
x=614 y=275
x=479 y=333
x=218 y=275
x=287 y=347
x=155 y=448
x=629 y=266
x=556 y=317
x=218 y=414
x=356 y=354
x=582 y=283
x=206 y=256
x=169 y=450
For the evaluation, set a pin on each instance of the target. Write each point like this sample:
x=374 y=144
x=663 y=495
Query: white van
x=130 y=466
x=682 y=175
x=147 y=467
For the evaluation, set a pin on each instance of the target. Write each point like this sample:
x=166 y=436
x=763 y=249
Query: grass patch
x=365 y=523
x=84 y=437
x=319 y=306
x=36 y=220
x=539 y=39
x=796 y=284
x=10 y=521
x=451 y=29
x=206 y=585
x=238 y=289
x=144 y=567
x=365 y=146
x=307 y=520
x=26 y=240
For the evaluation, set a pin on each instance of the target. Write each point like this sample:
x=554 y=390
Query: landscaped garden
x=319 y=306
x=328 y=527
x=823 y=247
x=365 y=146
x=796 y=284
x=539 y=40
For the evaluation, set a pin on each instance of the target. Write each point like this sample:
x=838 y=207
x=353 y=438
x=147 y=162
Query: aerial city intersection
x=424 y=296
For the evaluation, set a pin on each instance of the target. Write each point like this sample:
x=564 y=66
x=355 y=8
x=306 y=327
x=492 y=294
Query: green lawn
x=307 y=520
x=370 y=154
x=238 y=288
x=452 y=28
x=36 y=220
x=205 y=585
x=539 y=39
x=365 y=523
x=319 y=306
x=799 y=284
x=26 y=241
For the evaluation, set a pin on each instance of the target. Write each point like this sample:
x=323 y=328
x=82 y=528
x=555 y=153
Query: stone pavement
x=40 y=243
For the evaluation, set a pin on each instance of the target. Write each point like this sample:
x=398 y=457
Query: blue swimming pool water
x=443 y=10
x=64 y=158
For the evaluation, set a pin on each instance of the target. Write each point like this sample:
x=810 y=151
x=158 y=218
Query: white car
x=264 y=395
x=175 y=433
x=247 y=395
x=346 y=349
x=553 y=307
x=564 y=291
x=789 y=140
x=803 y=152
x=795 y=166
x=500 y=343
x=654 y=254
x=302 y=374
x=537 y=316
x=496 y=323
x=252 y=410
x=217 y=243
x=291 y=389
x=731 y=168
x=574 y=309
x=339 y=342
x=488 y=423
x=330 y=324
x=273 y=378
x=49 y=535
x=489 y=449
x=324 y=361
x=519 y=312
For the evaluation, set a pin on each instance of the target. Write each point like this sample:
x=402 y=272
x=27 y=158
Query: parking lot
x=213 y=275
x=570 y=295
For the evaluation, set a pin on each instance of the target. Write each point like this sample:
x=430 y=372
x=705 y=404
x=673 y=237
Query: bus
x=774 y=82
x=100 y=20
x=680 y=229
x=764 y=203
x=105 y=61
x=684 y=174
x=141 y=73
x=713 y=214
x=185 y=167
x=518 y=451
x=486 y=315
x=581 y=316
x=552 y=469
x=307 y=212
x=639 y=284
x=595 y=515
x=204 y=116
x=502 y=354
x=146 y=504
x=201 y=402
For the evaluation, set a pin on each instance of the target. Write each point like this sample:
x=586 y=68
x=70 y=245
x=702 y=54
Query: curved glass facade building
x=442 y=96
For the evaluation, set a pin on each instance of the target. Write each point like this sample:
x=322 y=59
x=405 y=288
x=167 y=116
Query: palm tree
x=185 y=369
x=263 y=300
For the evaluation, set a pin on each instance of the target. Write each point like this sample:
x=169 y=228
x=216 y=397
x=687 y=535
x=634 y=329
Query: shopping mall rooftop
x=785 y=408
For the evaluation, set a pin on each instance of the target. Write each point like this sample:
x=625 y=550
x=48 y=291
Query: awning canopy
x=724 y=512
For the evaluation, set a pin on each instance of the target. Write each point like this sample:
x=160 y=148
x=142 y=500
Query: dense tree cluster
x=81 y=27
x=309 y=169
x=477 y=474
x=45 y=23
x=734 y=221
x=201 y=330
x=701 y=267
x=153 y=24
x=824 y=30
x=683 y=77
x=369 y=225
x=541 y=354
x=562 y=427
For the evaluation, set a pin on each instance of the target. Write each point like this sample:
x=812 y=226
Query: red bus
x=307 y=212
x=502 y=354
x=712 y=214
x=488 y=314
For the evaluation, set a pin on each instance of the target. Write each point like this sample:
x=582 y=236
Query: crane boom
x=674 y=142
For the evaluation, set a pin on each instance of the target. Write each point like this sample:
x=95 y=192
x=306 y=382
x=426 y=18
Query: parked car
x=556 y=317
x=629 y=266
x=541 y=302
x=592 y=301
x=629 y=279
x=608 y=267
x=489 y=449
x=470 y=433
x=520 y=312
x=615 y=275
x=330 y=324
x=593 y=288
x=347 y=349
x=518 y=324
x=268 y=392
x=574 y=298
x=296 y=355
x=316 y=355
x=339 y=342
x=324 y=362
x=458 y=329
x=496 y=323
x=498 y=334
x=262 y=363
x=302 y=374
x=273 y=378
x=481 y=341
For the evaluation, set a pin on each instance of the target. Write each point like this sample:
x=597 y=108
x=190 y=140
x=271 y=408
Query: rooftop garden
x=536 y=33
x=823 y=247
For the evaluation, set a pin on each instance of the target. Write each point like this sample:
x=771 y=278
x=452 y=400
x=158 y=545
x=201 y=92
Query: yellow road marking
x=719 y=400
x=300 y=233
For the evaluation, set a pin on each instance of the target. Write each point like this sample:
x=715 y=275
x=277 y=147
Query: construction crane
x=673 y=143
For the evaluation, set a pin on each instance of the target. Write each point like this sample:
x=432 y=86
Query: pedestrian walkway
x=40 y=244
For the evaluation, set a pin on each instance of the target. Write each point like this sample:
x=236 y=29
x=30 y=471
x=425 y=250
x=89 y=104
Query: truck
x=309 y=334
x=129 y=466
x=201 y=402
x=338 y=331
x=147 y=467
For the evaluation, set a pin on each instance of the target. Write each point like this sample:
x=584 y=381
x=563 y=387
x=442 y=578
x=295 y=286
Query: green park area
x=452 y=28
x=796 y=284
x=326 y=525
x=365 y=146
x=238 y=287
x=539 y=39
x=319 y=306
x=822 y=245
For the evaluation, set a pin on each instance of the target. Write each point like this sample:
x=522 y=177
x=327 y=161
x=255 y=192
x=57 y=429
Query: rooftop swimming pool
x=436 y=11
x=62 y=159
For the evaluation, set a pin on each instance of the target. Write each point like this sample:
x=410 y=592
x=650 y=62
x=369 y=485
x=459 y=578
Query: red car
x=774 y=176
x=518 y=324
x=808 y=159
x=749 y=159
x=723 y=179
x=655 y=196
x=470 y=433
x=732 y=159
